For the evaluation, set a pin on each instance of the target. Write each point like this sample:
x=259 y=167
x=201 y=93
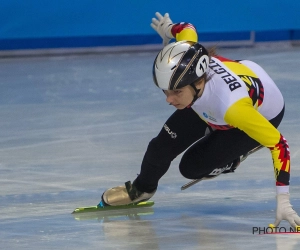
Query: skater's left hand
x=285 y=211
x=163 y=25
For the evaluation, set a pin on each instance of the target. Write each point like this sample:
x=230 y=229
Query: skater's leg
x=217 y=151
x=180 y=131
x=221 y=148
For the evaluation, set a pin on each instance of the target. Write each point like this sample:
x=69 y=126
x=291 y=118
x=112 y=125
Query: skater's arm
x=243 y=115
x=184 y=32
x=167 y=30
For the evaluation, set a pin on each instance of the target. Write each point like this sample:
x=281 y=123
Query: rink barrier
x=88 y=45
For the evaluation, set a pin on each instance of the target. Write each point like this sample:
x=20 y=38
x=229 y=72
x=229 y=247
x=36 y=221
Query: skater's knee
x=188 y=169
x=185 y=172
x=192 y=167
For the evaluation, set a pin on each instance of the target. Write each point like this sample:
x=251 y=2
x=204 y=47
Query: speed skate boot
x=124 y=195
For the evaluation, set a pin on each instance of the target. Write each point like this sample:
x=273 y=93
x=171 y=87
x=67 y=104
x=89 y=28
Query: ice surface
x=72 y=126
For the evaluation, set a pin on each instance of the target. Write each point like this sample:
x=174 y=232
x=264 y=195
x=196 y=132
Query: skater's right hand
x=163 y=25
x=285 y=211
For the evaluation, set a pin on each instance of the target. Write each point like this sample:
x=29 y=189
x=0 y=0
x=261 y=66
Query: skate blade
x=111 y=215
x=111 y=208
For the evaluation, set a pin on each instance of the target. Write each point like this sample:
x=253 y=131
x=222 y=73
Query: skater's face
x=181 y=98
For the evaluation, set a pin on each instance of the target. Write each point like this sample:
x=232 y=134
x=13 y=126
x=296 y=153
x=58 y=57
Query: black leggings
x=206 y=149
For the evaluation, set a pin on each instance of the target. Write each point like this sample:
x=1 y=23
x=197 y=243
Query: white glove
x=163 y=25
x=285 y=211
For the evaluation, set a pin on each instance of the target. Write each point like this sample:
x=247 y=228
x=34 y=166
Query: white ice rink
x=73 y=126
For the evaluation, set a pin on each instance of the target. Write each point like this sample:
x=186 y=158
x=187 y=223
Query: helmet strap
x=195 y=96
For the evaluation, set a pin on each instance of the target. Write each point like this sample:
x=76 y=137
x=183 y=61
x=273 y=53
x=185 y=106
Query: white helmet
x=179 y=64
